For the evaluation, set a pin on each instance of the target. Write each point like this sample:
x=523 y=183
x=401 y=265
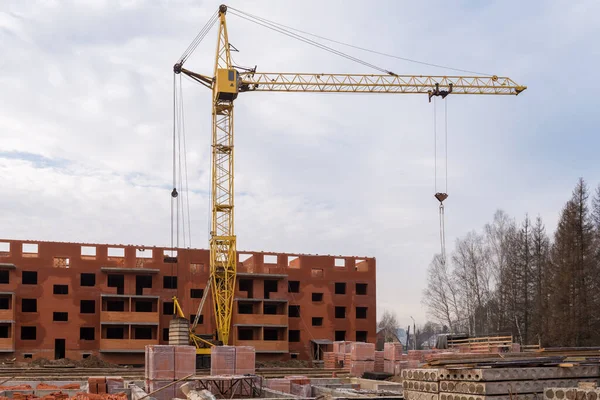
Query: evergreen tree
x=539 y=268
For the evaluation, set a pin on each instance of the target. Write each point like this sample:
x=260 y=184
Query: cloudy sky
x=86 y=124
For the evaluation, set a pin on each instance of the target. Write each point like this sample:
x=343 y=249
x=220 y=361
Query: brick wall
x=58 y=267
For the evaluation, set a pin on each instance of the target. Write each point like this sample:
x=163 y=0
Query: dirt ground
x=284 y=364
x=90 y=362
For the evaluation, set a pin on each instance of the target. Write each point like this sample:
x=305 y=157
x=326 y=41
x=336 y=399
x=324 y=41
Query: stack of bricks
x=300 y=385
x=379 y=361
x=418 y=357
x=232 y=360
x=342 y=350
x=346 y=360
x=362 y=358
x=97 y=384
x=245 y=360
x=329 y=360
x=421 y=384
x=222 y=360
x=166 y=364
x=279 y=384
x=114 y=384
x=393 y=359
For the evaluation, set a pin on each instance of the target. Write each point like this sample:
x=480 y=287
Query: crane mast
x=223 y=257
x=227 y=82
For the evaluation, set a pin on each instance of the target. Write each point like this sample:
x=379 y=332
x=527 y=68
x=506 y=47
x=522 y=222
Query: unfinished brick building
x=73 y=299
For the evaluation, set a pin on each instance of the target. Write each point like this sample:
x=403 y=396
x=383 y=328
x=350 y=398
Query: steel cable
x=313 y=43
x=361 y=48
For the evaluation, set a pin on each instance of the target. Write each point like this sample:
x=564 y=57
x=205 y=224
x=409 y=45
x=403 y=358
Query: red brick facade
x=72 y=299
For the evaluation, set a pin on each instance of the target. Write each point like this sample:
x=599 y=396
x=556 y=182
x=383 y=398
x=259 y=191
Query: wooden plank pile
x=486 y=344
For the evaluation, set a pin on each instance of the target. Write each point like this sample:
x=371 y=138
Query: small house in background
x=385 y=336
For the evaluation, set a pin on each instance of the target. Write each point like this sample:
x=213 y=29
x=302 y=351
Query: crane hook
x=441 y=196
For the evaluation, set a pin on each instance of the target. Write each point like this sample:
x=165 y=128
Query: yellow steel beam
x=369 y=83
x=223 y=257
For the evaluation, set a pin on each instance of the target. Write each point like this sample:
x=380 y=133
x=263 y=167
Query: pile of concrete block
x=362 y=357
x=165 y=364
x=232 y=360
x=492 y=383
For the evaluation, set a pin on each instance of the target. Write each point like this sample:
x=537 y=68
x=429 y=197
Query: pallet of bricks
x=362 y=358
x=298 y=385
x=356 y=357
x=234 y=361
x=99 y=385
x=501 y=383
x=339 y=357
x=393 y=359
x=166 y=364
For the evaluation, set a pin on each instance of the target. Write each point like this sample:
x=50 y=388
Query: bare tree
x=473 y=276
x=440 y=294
x=389 y=325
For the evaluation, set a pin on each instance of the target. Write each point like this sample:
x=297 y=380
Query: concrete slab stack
x=553 y=393
x=421 y=384
x=492 y=383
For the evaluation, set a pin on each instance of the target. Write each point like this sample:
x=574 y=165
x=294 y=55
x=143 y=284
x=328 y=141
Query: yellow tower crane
x=227 y=82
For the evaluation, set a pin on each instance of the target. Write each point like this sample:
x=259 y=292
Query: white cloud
x=89 y=87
